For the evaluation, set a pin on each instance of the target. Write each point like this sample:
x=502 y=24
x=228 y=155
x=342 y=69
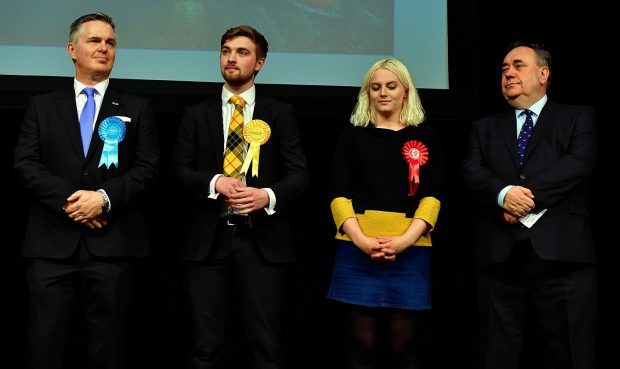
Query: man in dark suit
x=85 y=219
x=237 y=228
x=529 y=168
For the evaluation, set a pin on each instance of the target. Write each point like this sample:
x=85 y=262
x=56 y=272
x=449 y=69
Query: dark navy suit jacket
x=50 y=165
x=198 y=157
x=560 y=158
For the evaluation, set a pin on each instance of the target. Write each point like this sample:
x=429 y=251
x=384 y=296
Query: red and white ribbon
x=416 y=155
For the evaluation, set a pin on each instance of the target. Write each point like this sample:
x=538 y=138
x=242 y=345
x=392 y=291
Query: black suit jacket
x=50 y=164
x=560 y=158
x=198 y=156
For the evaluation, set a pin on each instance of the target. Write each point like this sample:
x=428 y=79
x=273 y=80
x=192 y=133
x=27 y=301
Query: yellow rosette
x=256 y=133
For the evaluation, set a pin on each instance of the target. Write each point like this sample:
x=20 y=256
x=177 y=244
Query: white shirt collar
x=100 y=87
x=248 y=95
x=536 y=108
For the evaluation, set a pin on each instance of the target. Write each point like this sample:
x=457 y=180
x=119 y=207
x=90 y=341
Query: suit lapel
x=262 y=109
x=542 y=124
x=215 y=126
x=509 y=131
x=68 y=113
x=111 y=105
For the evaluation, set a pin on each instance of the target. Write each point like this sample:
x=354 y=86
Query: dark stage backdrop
x=313 y=325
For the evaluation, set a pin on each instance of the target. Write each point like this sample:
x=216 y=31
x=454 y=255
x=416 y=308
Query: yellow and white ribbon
x=256 y=133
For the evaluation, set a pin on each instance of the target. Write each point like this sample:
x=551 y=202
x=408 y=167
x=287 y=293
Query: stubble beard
x=236 y=78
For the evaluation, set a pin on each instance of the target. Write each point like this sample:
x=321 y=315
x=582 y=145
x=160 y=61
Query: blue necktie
x=525 y=134
x=87 y=117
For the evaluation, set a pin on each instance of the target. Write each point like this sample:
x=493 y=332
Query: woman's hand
x=370 y=246
x=393 y=245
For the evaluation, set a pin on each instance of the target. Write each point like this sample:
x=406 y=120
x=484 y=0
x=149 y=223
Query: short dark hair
x=543 y=57
x=76 y=26
x=262 y=47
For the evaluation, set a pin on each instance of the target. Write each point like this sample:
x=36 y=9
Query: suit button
x=522 y=176
x=85 y=172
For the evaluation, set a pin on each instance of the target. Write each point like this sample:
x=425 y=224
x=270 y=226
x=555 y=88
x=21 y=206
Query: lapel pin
x=114 y=103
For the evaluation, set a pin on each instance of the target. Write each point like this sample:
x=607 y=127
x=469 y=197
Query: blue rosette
x=111 y=131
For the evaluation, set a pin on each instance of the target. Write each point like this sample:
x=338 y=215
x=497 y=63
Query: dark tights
x=385 y=338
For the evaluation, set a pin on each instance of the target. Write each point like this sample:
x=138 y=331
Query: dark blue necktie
x=525 y=134
x=87 y=117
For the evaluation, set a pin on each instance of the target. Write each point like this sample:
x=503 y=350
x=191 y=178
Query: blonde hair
x=412 y=113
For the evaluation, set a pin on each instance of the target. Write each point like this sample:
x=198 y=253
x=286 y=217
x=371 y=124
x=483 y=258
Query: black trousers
x=235 y=265
x=96 y=287
x=550 y=302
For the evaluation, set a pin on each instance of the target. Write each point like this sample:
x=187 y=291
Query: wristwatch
x=106 y=200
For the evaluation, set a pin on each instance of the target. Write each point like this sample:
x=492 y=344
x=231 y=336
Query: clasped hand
x=240 y=197
x=383 y=248
x=86 y=208
x=518 y=202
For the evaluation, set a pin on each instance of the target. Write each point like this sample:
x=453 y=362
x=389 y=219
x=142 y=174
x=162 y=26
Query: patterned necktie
x=87 y=117
x=525 y=134
x=235 y=145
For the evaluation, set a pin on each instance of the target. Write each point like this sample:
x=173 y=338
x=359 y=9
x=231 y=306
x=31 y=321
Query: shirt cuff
x=271 y=209
x=212 y=193
x=501 y=195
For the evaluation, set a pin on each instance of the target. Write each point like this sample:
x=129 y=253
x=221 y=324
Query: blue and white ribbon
x=111 y=131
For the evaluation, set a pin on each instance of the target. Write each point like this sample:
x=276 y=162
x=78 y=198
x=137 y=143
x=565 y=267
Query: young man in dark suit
x=87 y=155
x=529 y=169
x=237 y=231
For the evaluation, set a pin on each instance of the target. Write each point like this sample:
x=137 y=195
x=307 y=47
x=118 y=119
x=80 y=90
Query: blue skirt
x=401 y=284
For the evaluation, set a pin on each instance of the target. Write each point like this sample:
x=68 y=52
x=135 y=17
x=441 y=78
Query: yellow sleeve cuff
x=342 y=209
x=428 y=211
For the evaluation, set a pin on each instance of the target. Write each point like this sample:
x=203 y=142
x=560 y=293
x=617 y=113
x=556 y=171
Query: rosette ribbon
x=416 y=155
x=111 y=131
x=256 y=133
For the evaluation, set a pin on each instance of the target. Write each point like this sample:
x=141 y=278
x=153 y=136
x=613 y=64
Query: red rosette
x=416 y=155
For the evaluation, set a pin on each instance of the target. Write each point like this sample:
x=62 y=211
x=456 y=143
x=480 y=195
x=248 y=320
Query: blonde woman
x=386 y=177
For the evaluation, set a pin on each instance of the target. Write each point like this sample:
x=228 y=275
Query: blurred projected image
x=311 y=26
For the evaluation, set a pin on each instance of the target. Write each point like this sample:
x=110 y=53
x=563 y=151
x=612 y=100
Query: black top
x=370 y=169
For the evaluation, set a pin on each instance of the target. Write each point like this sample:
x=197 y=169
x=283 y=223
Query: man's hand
x=510 y=218
x=228 y=185
x=519 y=201
x=96 y=223
x=83 y=206
x=248 y=199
